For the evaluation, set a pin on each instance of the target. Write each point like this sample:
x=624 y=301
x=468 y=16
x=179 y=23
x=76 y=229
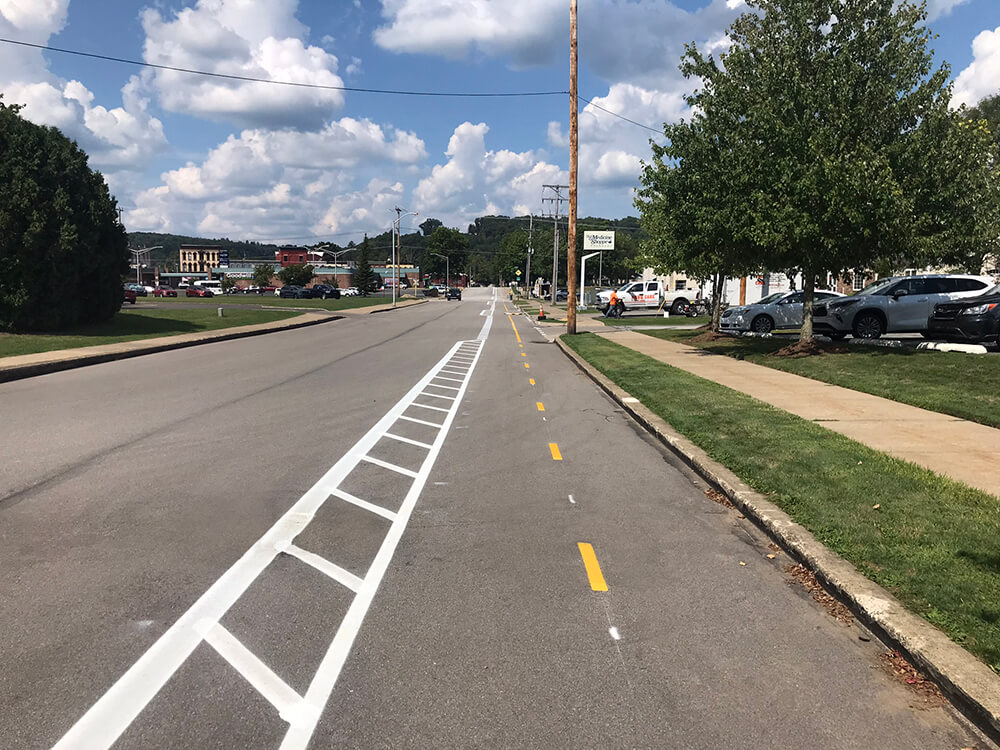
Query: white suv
x=893 y=305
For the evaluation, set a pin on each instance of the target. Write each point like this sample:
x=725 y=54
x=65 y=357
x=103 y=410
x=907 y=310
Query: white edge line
x=320 y=689
x=257 y=673
x=114 y=711
x=344 y=577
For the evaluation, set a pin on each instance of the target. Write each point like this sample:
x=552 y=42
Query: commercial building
x=201 y=258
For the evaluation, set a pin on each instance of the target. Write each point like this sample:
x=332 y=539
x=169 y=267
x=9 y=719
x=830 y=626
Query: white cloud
x=265 y=182
x=117 y=140
x=938 y=8
x=982 y=77
x=369 y=209
x=640 y=41
x=248 y=38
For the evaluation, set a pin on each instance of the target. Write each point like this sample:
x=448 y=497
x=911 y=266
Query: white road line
x=402 y=439
x=337 y=573
x=572 y=500
x=453 y=380
x=115 y=711
x=435 y=395
x=389 y=466
x=454 y=371
x=614 y=633
x=253 y=670
x=432 y=408
x=449 y=387
x=378 y=510
x=419 y=421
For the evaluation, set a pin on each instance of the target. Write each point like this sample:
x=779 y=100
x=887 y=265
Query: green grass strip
x=269 y=300
x=963 y=385
x=933 y=542
x=131 y=325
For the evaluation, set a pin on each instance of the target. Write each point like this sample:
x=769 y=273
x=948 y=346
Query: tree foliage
x=988 y=110
x=297 y=274
x=365 y=279
x=262 y=273
x=821 y=142
x=62 y=249
x=450 y=243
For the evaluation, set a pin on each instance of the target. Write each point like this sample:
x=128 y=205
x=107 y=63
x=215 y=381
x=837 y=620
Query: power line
x=620 y=117
x=253 y=79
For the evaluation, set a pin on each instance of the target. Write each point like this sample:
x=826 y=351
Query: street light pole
x=397 y=241
x=447 y=273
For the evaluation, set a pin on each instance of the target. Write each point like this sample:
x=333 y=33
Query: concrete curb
x=968 y=683
x=399 y=306
x=149 y=346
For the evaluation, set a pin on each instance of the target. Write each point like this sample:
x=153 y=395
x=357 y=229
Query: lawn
x=630 y=319
x=933 y=542
x=130 y=325
x=269 y=300
x=963 y=385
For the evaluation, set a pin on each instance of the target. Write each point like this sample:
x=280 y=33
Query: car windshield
x=772 y=298
x=877 y=287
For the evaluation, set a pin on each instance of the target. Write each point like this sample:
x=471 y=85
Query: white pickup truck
x=648 y=295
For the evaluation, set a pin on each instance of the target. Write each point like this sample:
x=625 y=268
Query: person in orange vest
x=613 y=311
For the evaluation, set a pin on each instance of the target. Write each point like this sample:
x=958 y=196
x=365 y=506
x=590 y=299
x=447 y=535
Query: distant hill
x=171 y=243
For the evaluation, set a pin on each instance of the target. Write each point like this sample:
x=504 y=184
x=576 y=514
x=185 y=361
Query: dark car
x=562 y=295
x=974 y=320
x=453 y=293
x=197 y=291
x=164 y=291
x=325 y=291
x=291 y=291
x=139 y=289
x=128 y=295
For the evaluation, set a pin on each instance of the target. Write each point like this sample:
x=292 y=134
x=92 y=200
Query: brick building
x=199 y=258
x=290 y=255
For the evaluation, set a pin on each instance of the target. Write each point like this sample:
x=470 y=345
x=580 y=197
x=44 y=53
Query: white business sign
x=598 y=240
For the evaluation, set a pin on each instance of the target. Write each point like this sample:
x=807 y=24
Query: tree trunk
x=717 y=300
x=808 y=286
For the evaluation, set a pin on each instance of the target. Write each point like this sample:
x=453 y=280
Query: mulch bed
x=809 y=348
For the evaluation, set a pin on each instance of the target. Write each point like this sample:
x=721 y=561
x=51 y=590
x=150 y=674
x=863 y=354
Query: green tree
x=511 y=256
x=365 y=279
x=262 y=274
x=62 y=250
x=297 y=274
x=227 y=283
x=988 y=109
x=843 y=153
x=448 y=242
x=429 y=225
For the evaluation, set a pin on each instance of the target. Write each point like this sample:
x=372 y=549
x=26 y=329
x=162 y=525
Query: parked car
x=197 y=291
x=894 y=305
x=431 y=291
x=139 y=289
x=647 y=295
x=351 y=291
x=292 y=291
x=454 y=293
x=442 y=289
x=325 y=291
x=972 y=320
x=780 y=310
x=562 y=295
x=164 y=291
x=128 y=295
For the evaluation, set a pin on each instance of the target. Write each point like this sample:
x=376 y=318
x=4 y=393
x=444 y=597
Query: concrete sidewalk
x=964 y=451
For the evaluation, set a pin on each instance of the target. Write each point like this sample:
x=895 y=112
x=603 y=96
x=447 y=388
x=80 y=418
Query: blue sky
x=202 y=156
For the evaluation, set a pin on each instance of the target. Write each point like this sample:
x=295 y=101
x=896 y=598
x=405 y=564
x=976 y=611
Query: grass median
x=933 y=542
x=963 y=385
x=131 y=325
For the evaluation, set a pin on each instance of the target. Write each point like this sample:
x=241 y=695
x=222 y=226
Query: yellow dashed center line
x=527 y=366
x=597 y=582
x=531 y=380
x=556 y=455
x=540 y=405
x=523 y=354
x=515 y=329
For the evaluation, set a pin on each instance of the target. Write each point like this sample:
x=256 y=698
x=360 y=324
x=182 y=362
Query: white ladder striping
x=402 y=439
x=449 y=387
x=435 y=395
x=454 y=380
x=432 y=408
x=389 y=466
x=114 y=712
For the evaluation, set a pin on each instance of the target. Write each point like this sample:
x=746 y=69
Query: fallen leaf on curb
x=717 y=497
x=876 y=506
x=808 y=580
x=897 y=665
x=771 y=557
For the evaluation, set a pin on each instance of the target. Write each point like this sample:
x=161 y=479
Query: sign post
x=598 y=241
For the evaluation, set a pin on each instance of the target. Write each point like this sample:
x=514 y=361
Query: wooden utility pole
x=573 y=144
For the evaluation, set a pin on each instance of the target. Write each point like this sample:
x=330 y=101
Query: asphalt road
x=187 y=560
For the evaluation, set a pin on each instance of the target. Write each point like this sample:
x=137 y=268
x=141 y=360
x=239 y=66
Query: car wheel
x=836 y=336
x=868 y=325
x=762 y=324
x=677 y=308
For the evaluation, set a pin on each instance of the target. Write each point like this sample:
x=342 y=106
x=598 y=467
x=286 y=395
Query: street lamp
x=397 y=239
x=447 y=275
x=136 y=254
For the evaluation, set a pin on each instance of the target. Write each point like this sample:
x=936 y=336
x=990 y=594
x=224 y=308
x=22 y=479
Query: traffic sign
x=518 y=271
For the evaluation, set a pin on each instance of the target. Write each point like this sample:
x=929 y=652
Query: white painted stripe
x=614 y=633
x=114 y=711
x=389 y=466
x=253 y=670
x=435 y=395
x=453 y=371
x=432 y=408
x=572 y=500
x=316 y=697
x=463 y=358
x=378 y=510
x=419 y=421
x=402 y=439
x=453 y=380
x=337 y=573
x=449 y=387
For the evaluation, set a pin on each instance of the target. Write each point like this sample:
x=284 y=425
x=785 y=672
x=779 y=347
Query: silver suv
x=893 y=305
